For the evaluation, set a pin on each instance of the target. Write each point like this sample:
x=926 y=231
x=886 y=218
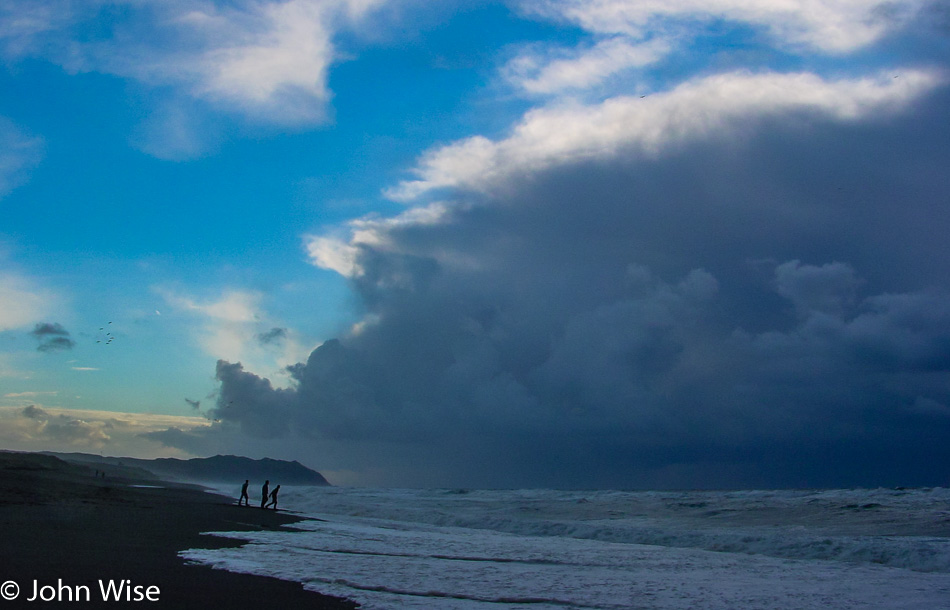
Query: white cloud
x=174 y=132
x=21 y=302
x=572 y=132
x=29 y=394
x=627 y=34
x=233 y=306
x=22 y=23
x=339 y=252
x=231 y=328
x=271 y=59
x=19 y=154
x=226 y=322
x=265 y=60
x=538 y=73
x=333 y=253
x=832 y=26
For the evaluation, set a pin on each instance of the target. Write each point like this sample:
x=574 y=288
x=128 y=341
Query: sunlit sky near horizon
x=609 y=243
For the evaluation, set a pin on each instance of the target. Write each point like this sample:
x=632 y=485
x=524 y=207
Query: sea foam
x=608 y=549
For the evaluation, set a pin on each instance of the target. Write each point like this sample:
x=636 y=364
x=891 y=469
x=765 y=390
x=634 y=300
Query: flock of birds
x=107 y=338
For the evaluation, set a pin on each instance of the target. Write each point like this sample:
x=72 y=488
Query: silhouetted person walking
x=273 y=497
x=244 y=497
x=264 y=493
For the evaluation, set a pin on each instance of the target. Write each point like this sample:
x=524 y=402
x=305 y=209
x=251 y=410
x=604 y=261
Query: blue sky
x=607 y=242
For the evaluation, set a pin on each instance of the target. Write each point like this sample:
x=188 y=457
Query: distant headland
x=216 y=469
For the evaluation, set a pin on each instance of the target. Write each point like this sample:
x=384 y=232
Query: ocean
x=545 y=549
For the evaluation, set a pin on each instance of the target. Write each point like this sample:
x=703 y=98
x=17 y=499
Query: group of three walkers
x=264 y=502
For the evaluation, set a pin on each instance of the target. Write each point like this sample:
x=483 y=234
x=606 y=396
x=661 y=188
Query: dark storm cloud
x=772 y=309
x=261 y=409
x=52 y=337
x=46 y=329
x=34 y=412
x=274 y=335
x=194 y=404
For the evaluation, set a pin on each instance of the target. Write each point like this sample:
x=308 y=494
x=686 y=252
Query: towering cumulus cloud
x=736 y=280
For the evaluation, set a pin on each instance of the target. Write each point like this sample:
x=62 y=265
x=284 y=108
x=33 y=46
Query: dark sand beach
x=61 y=523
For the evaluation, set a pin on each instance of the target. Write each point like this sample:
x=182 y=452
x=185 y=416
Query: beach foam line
x=538 y=562
x=458 y=596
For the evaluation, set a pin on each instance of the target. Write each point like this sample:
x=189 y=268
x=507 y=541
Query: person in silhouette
x=273 y=497
x=264 y=493
x=244 y=497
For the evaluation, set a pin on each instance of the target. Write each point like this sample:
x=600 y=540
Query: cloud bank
x=750 y=300
x=43 y=428
x=730 y=277
x=710 y=106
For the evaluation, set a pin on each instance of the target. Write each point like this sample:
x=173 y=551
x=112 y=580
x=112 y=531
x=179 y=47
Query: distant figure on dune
x=244 y=497
x=264 y=493
x=273 y=497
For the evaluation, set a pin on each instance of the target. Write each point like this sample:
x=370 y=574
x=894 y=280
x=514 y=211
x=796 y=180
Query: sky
x=475 y=243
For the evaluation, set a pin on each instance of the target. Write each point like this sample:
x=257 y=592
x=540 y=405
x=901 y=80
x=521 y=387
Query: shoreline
x=62 y=526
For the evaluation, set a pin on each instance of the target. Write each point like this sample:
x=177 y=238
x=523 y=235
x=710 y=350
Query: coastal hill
x=217 y=469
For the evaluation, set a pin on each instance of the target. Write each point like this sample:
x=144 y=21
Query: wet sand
x=62 y=525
